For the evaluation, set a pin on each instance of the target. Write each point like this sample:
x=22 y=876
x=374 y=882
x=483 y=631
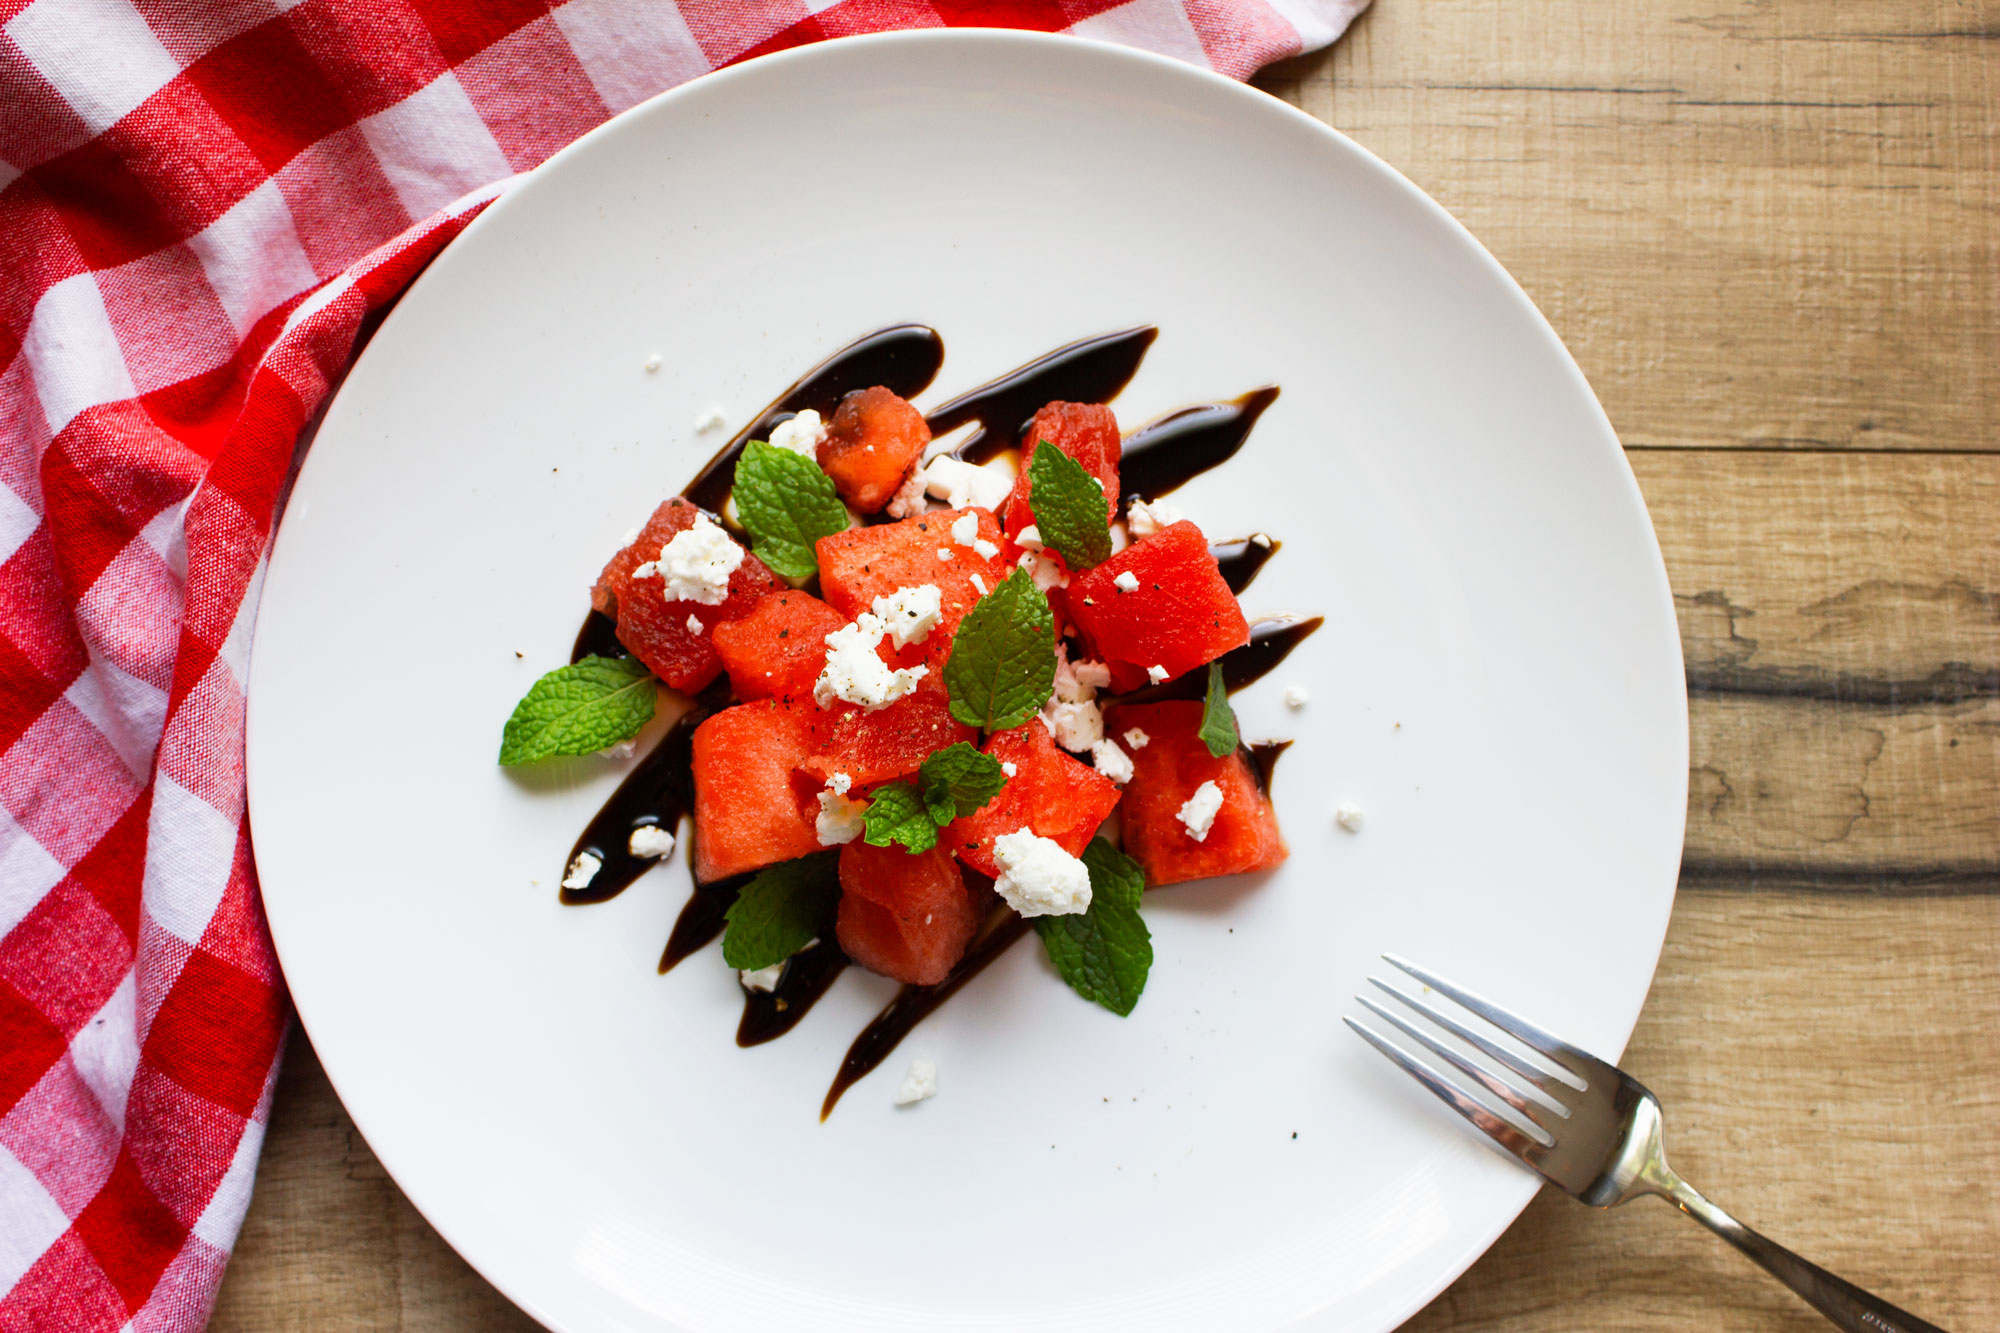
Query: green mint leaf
x=958 y=780
x=1003 y=658
x=1106 y=952
x=579 y=709
x=780 y=911
x=1071 y=510
x=1218 y=719
x=897 y=814
x=787 y=503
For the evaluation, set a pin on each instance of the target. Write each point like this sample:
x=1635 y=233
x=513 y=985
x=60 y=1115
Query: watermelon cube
x=1181 y=616
x=1051 y=793
x=889 y=743
x=861 y=564
x=779 y=648
x=1087 y=432
x=872 y=442
x=655 y=630
x=1166 y=771
x=908 y=917
x=749 y=809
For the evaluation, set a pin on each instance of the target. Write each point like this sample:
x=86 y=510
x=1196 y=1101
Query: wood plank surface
x=1770 y=232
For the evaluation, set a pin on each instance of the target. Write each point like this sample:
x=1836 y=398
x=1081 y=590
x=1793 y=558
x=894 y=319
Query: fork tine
x=1506 y=1092
x=1578 y=1062
x=1508 y=1135
x=1539 y=1077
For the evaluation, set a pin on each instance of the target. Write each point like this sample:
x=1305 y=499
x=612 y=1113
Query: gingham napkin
x=200 y=202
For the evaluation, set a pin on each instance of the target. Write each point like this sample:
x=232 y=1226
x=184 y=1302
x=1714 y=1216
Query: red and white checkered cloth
x=200 y=201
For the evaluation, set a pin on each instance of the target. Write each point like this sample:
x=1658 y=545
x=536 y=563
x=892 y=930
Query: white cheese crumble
x=1077 y=681
x=1008 y=767
x=911 y=613
x=980 y=584
x=712 y=419
x=583 y=870
x=1045 y=570
x=1348 y=815
x=1261 y=540
x=1039 y=878
x=909 y=497
x=1199 y=812
x=1143 y=519
x=1029 y=538
x=650 y=841
x=959 y=483
x=965 y=528
x=653 y=364
x=840 y=819
x=1137 y=738
x=1156 y=674
x=944 y=553
x=801 y=434
x=696 y=564
x=631 y=535
x=987 y=550
x=1126 y=581
x=1296 y=695
x=764 y=978
x=623 y=750
x=856 y=673
x=694 y=624
x=1076 y=725
x=920 y=1084
x=1111 y=761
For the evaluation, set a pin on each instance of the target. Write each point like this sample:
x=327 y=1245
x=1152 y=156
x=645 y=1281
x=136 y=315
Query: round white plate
x=1498 y=685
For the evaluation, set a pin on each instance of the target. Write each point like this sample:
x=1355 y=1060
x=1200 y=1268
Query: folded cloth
x=200 y=204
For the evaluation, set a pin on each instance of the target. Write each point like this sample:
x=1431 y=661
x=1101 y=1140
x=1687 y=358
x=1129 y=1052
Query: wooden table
x=1770 y=232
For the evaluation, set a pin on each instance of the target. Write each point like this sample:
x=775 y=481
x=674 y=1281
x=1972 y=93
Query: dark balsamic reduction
x=1264 y=756
x=1157 y=458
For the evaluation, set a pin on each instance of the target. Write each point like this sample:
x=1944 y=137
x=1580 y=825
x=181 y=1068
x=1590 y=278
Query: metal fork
x=1594 y=1130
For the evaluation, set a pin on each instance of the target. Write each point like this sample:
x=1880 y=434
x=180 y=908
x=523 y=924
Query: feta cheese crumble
x=1143 y=519
x=650 y=841
x=909 y=497
x=965 y=528
x=1111 y=761
x=1029 y=538
x=959 y=483
x=1045 y=570
x=764 y=978
x=1156 y=674
x=1008 y=767
x=1126 y=581
x=856 y=673
x=1078 y=681
x=1137 y=738
x=694 y=624
x=583 y=870
x=1199 y=811
x=710 y=420
x=911 y=613
x=801 y=434
x=920 y=1084
x=944 y=553
x=1039 y=878
x=696 y=564
x=1348 y=815
x=653 y=364
x=840 y=819
x=1296 y=695
x=980 y=584
x=1076 y=725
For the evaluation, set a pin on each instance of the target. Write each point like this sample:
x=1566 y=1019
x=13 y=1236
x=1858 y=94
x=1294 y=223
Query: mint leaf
x=1106 y=952
x=1218 y=719
x=779 y=912
x=579 y=709
x=958 y=780
x=787 y=503
x=896 y=814
x=1003 y=658
x=1071 y=510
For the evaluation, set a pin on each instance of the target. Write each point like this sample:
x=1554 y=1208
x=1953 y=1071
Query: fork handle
x=1838 y=1299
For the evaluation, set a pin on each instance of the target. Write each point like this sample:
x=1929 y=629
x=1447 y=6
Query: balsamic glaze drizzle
x=1156 y=459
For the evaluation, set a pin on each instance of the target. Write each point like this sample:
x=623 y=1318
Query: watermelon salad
x=945 y=697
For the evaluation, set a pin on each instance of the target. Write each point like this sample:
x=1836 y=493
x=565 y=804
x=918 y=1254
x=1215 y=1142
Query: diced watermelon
x=779 y=648
x=861 y=564
x=905 y=916
x=655 y=630
x=1181 y=616
x=1166 y=771
x=1087 y=432
x=749 y=810
x=870 y=445
x=1050 y=792
x=889 y=743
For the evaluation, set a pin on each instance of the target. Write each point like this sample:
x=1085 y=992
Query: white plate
x=1499 y=685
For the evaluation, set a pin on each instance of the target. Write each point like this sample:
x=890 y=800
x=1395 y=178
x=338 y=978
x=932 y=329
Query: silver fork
x=1594 y=1130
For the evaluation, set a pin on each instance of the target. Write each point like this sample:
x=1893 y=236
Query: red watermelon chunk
x=891 y=742
x=748 y=811
x=1166 y=771
x=1087 y=432
x=1051 y=793
x=870 y=445
x=654 y=629
x=1181 y=616
x=908 y=917
x=861 y=564
x=779 y=648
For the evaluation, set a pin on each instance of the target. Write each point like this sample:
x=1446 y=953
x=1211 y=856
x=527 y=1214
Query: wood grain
x=1770 y=232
